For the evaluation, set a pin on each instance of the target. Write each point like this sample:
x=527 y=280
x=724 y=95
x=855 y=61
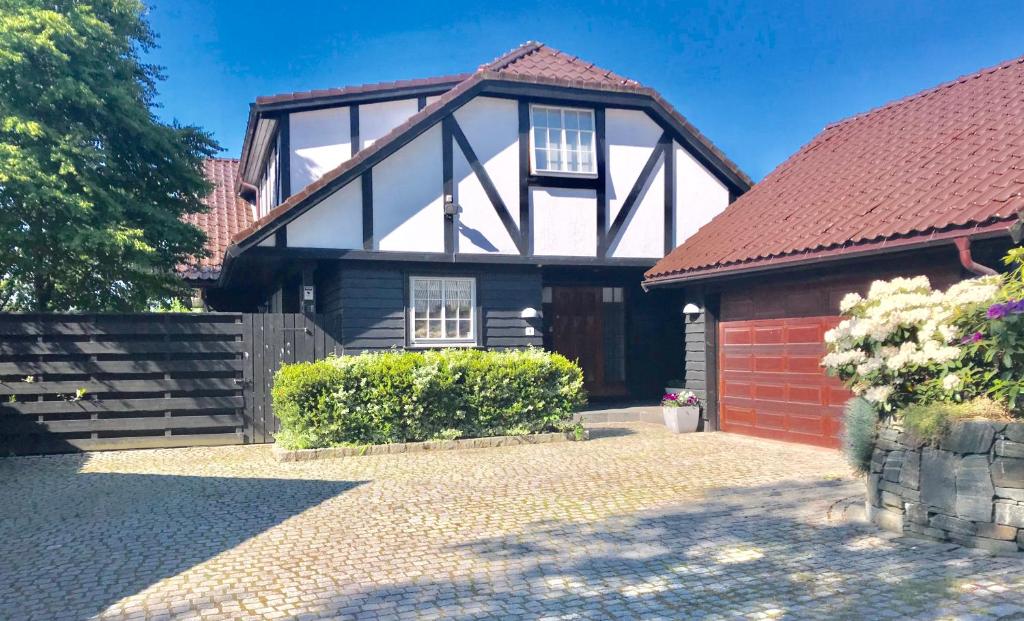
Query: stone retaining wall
x=968 y=490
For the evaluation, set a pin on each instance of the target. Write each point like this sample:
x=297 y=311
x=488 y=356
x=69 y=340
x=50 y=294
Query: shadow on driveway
x=745 y=551
x=91 y=539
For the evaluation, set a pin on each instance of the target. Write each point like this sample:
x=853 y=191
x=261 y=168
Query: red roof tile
x=947 y=159
x=536 y=60
x=228 y=214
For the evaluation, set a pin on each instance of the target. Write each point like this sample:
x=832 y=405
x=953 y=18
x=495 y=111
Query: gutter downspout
x=963 y=245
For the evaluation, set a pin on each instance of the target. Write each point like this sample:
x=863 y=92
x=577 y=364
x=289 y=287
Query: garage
x=906 y=189
x=770 y=382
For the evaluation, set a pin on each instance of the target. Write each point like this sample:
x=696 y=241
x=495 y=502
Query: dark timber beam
x=367 y=182
x=353 y=128
x=525 y=226
x=670 y=197
x=602 y=176
x=633 y=198
x=486 y=183
x=447 y=172
x=284 y=159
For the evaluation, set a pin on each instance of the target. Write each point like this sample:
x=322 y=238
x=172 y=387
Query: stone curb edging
x=286 y=455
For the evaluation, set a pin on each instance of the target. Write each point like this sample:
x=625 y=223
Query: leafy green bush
x=859 y=428
x=931 y=422
x=411 y=396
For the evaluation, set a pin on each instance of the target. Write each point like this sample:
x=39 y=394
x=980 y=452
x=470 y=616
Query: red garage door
x=771 y=383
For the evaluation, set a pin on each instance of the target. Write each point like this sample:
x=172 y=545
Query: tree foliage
x=92 y=185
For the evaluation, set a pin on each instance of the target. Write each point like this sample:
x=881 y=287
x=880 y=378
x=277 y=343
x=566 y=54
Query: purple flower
x=972 y=338
x=996 y=311
x=1011 y=307
x=670 y=396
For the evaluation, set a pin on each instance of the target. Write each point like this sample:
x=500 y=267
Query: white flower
x=849 y=301
x=869 y=366
x=878 y=394
x=951 y=382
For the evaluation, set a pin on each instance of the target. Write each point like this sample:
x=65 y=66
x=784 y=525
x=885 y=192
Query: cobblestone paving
x=635 y=523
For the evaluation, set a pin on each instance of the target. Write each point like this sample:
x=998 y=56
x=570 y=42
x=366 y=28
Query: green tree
x=92 y=184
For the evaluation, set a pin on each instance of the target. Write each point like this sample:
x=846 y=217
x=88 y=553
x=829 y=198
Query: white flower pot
x=683 y=419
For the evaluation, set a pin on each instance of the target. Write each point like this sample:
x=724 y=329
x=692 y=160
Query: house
x=930 y=184
x=516 y=205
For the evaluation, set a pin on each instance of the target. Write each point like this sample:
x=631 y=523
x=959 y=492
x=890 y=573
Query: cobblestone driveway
x=633 y=524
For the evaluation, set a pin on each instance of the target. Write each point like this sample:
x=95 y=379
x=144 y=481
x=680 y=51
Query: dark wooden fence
x=96 y=382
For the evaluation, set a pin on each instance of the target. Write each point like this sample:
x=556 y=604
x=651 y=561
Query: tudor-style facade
x=517 y=205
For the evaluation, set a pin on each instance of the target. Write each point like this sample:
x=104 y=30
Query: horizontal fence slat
x=116 y=385
x=88 y=406
x=119 y=366
x=32 y=348
x=151 y=423
x=172 y=441
x=116 y=328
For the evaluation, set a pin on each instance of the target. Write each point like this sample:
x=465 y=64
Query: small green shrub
x=412 y=396
x=859 y=428
x=931 y=422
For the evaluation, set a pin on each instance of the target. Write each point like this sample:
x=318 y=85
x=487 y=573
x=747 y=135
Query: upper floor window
x=563 y=140
x=442 y=310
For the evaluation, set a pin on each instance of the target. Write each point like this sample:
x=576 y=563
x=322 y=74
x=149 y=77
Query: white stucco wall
x=700 y=196
x=643 y=234
x=564 y=222
x=377 y=119
x=335 y=222
x=492 y=130
x=319 y=141
x=408 y=209
x=631 y=136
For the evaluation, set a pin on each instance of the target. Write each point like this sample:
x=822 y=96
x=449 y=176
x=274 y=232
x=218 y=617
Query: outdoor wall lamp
x=450 y=207
x=691 y=309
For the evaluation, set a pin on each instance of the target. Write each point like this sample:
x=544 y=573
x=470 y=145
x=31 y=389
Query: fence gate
x=271 y=340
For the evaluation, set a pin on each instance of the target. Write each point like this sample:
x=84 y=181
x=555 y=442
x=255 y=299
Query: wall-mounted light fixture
x=450 y=208
x=691 y=309
x=530 y=313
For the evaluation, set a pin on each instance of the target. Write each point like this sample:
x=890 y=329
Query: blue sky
x=758 y=78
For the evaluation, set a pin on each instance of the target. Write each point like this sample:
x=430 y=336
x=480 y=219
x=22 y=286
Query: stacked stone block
x=969 y=489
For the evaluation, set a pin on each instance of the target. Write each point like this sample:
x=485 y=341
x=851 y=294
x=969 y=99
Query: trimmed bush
x=402 y=396
x=931 y=422
x=859 y=430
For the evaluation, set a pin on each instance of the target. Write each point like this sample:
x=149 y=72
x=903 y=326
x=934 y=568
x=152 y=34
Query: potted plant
x=681 y=411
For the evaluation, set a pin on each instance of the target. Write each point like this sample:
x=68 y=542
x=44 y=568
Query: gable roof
x=947 y=161
x=227 y=215
x=533 y=63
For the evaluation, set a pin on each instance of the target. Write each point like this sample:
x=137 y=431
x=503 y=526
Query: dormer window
x=563 y=140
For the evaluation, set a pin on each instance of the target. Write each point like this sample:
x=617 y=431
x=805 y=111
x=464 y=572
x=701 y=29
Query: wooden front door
x=578 y=333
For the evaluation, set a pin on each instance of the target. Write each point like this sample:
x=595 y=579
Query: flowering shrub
x=993 y=345
x=684 y=398
x=902 y=344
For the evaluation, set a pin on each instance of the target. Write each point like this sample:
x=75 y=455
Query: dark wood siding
x=502 y=298
x=372 y=302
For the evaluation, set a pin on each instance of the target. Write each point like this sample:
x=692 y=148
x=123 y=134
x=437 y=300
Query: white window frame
x=442 y=341
x=564 y=159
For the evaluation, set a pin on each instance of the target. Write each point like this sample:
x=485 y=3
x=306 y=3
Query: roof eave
x=806 y=259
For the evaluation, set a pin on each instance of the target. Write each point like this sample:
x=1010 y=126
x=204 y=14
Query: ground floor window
x=442 y=310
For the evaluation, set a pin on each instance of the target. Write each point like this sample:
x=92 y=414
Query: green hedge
x=411 y=396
